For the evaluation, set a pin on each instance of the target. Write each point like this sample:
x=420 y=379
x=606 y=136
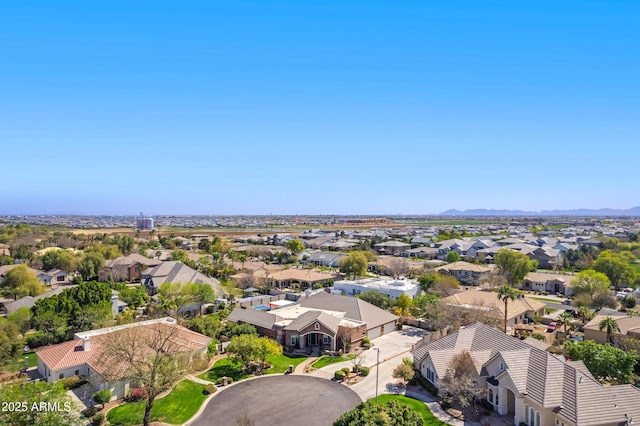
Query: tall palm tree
x=564 y=320
x=506 y=293
x=585 y=314
x=610 y=326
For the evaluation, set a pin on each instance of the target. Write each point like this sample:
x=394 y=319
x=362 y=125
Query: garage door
x=388 y=328
x=374 y=332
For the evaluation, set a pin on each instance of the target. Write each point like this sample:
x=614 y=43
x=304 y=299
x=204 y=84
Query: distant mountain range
x=634 y=211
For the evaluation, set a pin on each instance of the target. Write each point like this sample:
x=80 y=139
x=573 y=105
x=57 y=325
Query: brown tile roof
x=71 y=353
x=489 y=300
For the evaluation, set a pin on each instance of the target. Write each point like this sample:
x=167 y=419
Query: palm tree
x=564 y=320
x=506 y=293
x=585 y=314
x=610 y=326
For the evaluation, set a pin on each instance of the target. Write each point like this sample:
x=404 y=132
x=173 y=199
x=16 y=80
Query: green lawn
x=15 y=364
x=182 y=403
x=281 y=363
x=544 y=299
x=328 y=360
x=419 y=406
x=225 y=368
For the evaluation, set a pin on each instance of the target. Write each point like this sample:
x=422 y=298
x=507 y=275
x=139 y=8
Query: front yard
x=182 y=403
x=414 y=404
x=328 y=360
x=225 y=367
x=14 y=365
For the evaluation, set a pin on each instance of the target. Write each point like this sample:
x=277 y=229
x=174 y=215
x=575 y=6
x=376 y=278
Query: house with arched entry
x=528 y=384
x=321 y=320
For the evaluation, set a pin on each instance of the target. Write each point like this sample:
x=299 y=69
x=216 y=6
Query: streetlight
x=377 y=370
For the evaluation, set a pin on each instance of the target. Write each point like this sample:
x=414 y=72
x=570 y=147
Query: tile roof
x=354 y=308
x=71 y=353
x=489 y=300
x=178 y=272
x=567 y=388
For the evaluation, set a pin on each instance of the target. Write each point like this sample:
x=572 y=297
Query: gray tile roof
x=354 y=308
x=251 y=316
x=329 y=321
x=567 y=388
x=178 y=272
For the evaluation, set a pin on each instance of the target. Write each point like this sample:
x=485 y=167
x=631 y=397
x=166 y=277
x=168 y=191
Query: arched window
x=537 y=418
x=491 y=396
x=526 y=414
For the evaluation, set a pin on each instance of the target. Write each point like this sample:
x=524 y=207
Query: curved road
x=279 y=400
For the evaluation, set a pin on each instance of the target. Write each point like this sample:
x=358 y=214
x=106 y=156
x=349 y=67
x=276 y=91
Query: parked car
x=566 y=302
x=621 y=294
x=552 y=327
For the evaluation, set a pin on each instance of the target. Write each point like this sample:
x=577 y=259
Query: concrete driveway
x=390 y=345
x=279 y=400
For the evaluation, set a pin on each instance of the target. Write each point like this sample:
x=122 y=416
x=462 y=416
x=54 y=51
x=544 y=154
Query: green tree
x=201 y=294
x=590 y=283
x=22 y=319
x=610 y=326
x=605 y=362
x=90 y=265
x=10 y=340
x=248 y=348
x=453 y=256
x=426 y=281
x=124 y=243
x=354 y=263
x=180 y=255
x=295 y=246
x=565 y=320
x=585 y=314
x=102 y=397
x=389 y=413
x=404 y=372
x=514 y=265
x=461 y=380
x=506 y=293
x=617 y=267
x=376 y=298
x=402 y=306
x=36 y=393
x=20 y=282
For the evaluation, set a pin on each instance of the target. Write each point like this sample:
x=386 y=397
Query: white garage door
x=388 y=328
x=374 y=332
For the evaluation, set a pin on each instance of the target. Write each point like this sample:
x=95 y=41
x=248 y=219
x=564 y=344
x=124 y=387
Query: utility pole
x=377 y=370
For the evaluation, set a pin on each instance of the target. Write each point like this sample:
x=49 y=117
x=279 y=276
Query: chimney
x=85 y=344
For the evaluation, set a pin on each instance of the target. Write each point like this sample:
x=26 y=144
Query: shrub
x=399 y=326
x=338 y=375
x=89 y=412
x=486 y=404
x=364 y=371
x=366 y=345
x=346 y=371
x=102 y=396
x=209 y=389
x=366 y=341
x=136 y=395
x=71 y=382
x=98 y=420
x=428 y=386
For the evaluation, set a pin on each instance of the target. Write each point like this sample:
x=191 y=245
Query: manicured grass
x=549 y=310
x=281 y=363
x=182 y=403
x=328 y=360
x=15 y=364
x=419 y=406
x=543 y=299
x=225 y=368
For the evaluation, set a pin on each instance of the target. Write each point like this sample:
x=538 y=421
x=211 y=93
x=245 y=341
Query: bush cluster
x=339 y=375
x=136 y=395
x=209 y=389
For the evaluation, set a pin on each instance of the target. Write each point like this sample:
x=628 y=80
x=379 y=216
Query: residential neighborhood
x=484 y=296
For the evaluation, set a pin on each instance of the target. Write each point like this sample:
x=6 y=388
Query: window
x=61 y=376
x=326 y=340
x=77 y=372
x=294 y=340
x=317 y=326
x=531 y=415
x=491 y=396
x=526 y=414
x=497 y=398
x=537 y=418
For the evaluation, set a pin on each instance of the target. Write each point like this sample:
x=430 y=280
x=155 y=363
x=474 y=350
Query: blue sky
x=332 y=107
